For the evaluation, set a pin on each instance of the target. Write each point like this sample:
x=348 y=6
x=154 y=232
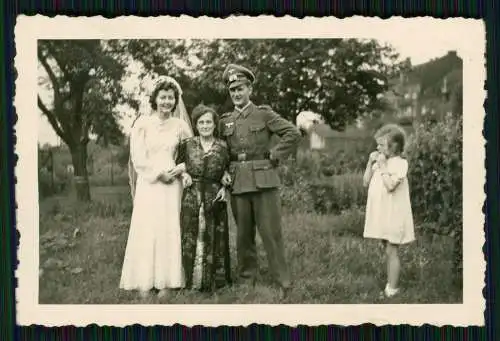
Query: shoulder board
x=226 y=115
x=265 y=107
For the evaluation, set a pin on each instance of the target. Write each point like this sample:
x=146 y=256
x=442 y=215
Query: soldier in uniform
x=255 y=196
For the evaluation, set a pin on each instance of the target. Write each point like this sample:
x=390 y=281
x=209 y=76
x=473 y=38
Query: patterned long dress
x=204 y=223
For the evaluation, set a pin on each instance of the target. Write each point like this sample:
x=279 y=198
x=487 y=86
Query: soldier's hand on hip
x=274 y=160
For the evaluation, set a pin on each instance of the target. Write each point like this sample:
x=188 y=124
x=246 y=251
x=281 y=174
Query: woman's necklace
x=161 y=120
x=164 y=117
x=206 y=144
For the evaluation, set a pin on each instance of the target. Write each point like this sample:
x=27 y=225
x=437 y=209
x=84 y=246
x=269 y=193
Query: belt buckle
x=242 y=156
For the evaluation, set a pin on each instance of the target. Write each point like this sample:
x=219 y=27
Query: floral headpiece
x=167 y=79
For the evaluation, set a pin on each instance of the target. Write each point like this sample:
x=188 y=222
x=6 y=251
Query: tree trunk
x=81 y=177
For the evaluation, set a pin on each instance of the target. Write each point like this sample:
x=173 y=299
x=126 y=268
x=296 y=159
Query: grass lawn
x=82 y=248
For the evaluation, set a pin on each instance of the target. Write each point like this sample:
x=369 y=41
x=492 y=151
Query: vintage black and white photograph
x=226 y=170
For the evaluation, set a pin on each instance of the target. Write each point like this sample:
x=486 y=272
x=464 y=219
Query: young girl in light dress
x=388 y=209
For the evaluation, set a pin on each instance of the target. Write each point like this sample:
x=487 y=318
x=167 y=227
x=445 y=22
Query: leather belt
x=249 y=157
x=205 y=180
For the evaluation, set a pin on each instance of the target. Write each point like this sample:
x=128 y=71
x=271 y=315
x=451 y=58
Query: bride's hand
x=167 y=176
x=177 y=170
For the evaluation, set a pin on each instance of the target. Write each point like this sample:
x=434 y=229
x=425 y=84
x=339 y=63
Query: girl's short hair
x=163 y=86
x=396 y=136
x=201 y=110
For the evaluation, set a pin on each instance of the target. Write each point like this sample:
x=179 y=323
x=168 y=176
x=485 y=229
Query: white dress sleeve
x=398 y=169
x=185 y=131
x=144 y=165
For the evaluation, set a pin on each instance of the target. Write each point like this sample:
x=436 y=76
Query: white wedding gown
x=153 y=253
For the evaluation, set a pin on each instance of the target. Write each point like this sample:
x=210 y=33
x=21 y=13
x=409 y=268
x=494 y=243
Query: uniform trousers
x=260 y=209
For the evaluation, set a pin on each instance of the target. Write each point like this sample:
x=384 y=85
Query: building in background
x=428 y=90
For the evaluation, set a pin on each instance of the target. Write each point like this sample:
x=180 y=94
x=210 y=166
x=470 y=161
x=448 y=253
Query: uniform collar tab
x=240 y=110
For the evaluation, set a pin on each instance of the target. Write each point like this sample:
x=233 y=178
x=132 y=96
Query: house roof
x=428 y=73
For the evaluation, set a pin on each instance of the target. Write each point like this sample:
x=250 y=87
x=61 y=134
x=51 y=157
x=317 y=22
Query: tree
x=339 y=78
x=84 y=80
x=158 y=57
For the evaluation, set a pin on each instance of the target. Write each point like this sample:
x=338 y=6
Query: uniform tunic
x=255 y=197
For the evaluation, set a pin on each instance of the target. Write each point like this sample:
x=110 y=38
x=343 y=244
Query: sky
x=419 y=49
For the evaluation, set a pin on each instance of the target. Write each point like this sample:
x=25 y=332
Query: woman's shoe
x=162 y=293
x=390 y=292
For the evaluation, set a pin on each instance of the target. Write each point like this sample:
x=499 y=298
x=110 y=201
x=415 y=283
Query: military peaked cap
x=235 y=75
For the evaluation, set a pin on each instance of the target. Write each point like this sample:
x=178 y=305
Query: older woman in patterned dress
x=204 y=220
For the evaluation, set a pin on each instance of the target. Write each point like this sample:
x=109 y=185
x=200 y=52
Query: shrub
x=348 y=156
x=435 y=173
x=435 y=155
x=341 y=156
x=296 y=198
x=295 y=194
x=338 y=193
x=351 y=222
x=306 y=191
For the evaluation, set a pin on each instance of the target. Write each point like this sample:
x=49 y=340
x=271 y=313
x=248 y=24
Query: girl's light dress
x=153 y=253
x=389 y=214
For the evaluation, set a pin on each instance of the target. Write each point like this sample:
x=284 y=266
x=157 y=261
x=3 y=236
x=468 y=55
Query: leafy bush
x=435 y=174
x=351 y=222
x=338 y=193
x=306 y=191
x=348 y=155
x=341 y=156
x=295 y=195
x=435 y=155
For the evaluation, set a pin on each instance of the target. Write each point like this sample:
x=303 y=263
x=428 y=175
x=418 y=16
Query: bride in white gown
x=153 y=253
